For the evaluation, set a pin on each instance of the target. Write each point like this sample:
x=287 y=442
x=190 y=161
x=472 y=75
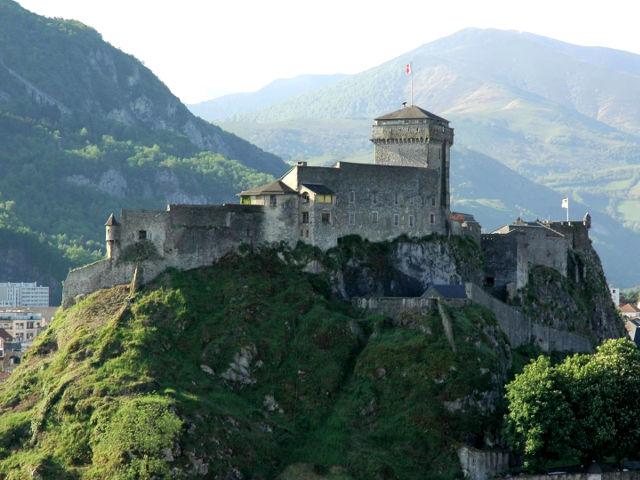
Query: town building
x=23 y=325
x=23 y=294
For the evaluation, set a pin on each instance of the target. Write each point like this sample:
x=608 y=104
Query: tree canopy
x=583 y=408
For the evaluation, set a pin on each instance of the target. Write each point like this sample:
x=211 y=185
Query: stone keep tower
x=413 y=137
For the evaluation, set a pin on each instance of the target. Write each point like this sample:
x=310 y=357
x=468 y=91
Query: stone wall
x=393 y=307
x=183 y=236
x=501 y=263
x=482 y=464
x=377 y=202
x=512 y=251
x=521 y=330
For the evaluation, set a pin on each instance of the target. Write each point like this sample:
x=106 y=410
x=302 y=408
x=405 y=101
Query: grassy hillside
x=247 y=369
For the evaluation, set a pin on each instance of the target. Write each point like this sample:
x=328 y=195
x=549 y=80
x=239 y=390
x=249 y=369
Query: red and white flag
x=565 y=203
x=408 y=69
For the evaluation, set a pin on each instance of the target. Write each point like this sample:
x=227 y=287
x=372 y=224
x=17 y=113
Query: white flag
x=565 y=203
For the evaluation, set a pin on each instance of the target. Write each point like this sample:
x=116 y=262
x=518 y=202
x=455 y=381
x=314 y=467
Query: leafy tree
x=582 y=408
x=540 y=421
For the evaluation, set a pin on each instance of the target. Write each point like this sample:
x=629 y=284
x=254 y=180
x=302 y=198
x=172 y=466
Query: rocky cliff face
x=404 y=268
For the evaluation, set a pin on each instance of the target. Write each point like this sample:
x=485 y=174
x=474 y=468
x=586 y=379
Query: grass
x=128 y=388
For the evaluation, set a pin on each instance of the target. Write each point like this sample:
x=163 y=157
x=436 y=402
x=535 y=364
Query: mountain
x=560 y=115
x=65 y=69
x=277 y=91
x=85 y=130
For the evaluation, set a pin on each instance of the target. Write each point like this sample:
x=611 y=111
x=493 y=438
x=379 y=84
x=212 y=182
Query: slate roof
x=273 y=188
x=111 y=221
x=318 y=189
x=411 y=113
x=448 y=291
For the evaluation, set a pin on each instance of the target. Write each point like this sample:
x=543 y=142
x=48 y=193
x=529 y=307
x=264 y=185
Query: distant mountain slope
x=66 y=69
x=85 y=130
x=277 y=91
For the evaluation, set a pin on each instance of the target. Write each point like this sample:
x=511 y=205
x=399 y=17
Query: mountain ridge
x=86 y=130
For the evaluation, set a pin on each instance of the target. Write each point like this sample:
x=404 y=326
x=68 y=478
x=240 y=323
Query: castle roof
x=274 y=188
x=411 y=113
x=446 y=291
x=111 y=221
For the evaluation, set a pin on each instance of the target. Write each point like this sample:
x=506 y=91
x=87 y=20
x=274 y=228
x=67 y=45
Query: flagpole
x=411 y=83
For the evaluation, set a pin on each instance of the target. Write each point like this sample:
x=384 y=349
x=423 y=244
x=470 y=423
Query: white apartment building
x=23 y=295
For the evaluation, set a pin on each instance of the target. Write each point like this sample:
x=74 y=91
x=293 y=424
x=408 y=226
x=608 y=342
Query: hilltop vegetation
x=247 y=369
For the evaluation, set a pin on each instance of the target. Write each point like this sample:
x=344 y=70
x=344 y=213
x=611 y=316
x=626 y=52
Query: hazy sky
x=204 y=48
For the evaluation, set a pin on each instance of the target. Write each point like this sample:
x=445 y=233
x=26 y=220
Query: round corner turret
x=112 y=236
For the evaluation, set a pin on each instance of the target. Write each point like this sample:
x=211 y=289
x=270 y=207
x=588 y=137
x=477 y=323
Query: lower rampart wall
x=521 y=330
x=482 y=464
x=518 y=329
x=106 y=274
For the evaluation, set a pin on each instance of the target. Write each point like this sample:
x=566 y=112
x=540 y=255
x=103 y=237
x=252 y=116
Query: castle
x=404 y=192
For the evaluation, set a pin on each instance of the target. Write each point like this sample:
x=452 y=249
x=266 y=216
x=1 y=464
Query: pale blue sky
x=203 y=48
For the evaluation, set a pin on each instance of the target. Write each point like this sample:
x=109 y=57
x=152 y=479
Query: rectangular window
x=374 y=198
x=326 y=217
x=432 y=219
x=245 y=200
x=374 y=217
x=352 y=196
x=142 y=234
x=433 y=201
x=411 y=220
x=396 y=220
x=272 y=201
x=305 y=217
x=305 y=197
x=395 y=199
x=352 y=218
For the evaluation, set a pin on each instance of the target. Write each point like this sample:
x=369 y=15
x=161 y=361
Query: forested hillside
x=85 y=130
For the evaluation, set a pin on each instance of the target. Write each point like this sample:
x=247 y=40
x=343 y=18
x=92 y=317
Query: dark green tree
x=583 y=408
